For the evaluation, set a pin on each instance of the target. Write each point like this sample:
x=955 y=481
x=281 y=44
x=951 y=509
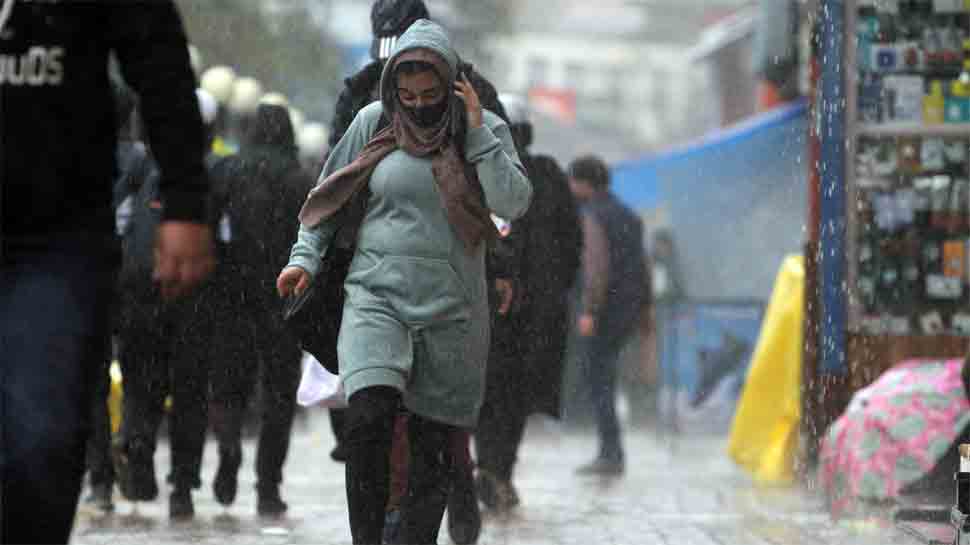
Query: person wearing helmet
x=389 y=20
x=415 y=323
x=265 y=185
x=526 y=361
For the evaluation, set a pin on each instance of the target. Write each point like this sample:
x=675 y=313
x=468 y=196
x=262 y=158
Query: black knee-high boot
x=368 y=433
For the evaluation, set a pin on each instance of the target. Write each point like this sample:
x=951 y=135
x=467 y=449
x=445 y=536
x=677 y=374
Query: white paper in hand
x=319 y=387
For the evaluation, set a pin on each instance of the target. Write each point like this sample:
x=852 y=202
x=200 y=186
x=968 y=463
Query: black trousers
x=369 y=432
x=252 y=346
x=501 y=423
x=599 y=358
x=164 y=350
x=498 y=438
x=100 y=468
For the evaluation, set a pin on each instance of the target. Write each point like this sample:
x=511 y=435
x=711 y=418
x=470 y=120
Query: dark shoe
x=100 y=498
x=225 y=485
x=497 y=494
x=392 y=526
x=602 y=466
x=180 y=505
x=269 y=503
x=339 y=453
x=136 y=477
x=464 y=518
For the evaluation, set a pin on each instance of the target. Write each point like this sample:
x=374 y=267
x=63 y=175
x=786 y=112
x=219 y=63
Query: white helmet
x=245 y=96
x=275 y=99
x=208 y=106
x=219 y=81
x=312 y=139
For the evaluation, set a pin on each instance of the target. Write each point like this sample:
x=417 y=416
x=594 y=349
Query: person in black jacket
x=58 y=252
x=389 y=20
x=264 y=187
x=163 y=350
x=526 y=362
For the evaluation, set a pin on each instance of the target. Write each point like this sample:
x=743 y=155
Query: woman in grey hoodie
x=415 y=329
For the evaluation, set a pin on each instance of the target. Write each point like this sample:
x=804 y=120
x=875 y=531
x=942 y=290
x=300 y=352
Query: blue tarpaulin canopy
x=736 y=201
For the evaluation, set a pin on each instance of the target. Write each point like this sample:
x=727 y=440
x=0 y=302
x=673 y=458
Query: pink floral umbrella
x=893 y=432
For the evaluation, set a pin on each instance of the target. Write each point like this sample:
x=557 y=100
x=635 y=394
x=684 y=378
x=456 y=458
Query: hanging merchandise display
x=909 y=264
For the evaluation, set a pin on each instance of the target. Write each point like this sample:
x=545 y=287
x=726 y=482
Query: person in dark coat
x=612 y=298
x=163 y=346
x=262 y=189
x=134 y=169
x=58 y=251
x=389 y=20
x=528 y=344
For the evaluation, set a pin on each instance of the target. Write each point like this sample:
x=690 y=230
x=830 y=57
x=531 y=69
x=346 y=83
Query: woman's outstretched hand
x=473 y=105
x=292 y=281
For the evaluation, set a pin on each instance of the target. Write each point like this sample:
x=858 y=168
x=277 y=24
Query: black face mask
x=429 y=116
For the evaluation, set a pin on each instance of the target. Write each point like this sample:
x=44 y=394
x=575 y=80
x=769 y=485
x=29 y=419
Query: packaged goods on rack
x=914 y=61
x=913 y=252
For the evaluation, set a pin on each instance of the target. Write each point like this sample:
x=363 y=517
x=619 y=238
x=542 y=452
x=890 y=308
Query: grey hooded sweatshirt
x=416 y=316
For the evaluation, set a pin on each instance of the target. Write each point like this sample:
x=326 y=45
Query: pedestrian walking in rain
x=612 y=295
x=163 y=352
x=528 y=344
x=135 y=170
x=389 y=20
x=57 y=163
x=265 y=185
x=416 y=322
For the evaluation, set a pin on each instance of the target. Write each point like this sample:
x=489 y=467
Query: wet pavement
x=682 y=491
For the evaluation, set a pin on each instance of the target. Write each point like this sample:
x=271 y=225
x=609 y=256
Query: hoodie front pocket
x=422 y=290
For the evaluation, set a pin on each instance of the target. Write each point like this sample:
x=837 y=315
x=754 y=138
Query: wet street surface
x=679 y=492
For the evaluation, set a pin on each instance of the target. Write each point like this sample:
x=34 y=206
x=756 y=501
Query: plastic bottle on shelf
x=934 y=104
x=958 y=103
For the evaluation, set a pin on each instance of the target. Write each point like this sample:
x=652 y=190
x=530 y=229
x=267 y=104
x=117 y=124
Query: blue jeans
x=599 y=359
x=53 y=315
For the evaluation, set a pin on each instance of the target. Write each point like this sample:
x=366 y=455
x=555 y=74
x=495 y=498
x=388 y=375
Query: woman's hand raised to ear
x=473 y=105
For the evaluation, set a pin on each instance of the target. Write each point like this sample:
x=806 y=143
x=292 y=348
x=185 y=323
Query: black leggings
x=368 y=435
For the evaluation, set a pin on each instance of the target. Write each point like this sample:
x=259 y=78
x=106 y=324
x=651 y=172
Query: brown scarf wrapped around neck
x=459 y=187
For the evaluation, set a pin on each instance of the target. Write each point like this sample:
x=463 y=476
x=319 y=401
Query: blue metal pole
x=832 y=222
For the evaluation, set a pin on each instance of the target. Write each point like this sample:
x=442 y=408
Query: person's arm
x=491 y=150
x=596 y=266
x=150 y=42
x=312 y=242
x=489 y=147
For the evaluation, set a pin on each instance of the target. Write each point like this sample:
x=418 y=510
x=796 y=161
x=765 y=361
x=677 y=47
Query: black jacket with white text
x=57 y=119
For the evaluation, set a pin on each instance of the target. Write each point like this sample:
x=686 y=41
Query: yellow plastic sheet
x=764 y=435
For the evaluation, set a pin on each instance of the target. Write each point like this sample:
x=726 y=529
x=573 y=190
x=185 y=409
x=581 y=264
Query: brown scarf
x=458 y=184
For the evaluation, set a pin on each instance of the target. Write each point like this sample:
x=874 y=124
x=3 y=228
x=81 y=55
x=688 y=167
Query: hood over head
x=427 y=42
x=270 y=127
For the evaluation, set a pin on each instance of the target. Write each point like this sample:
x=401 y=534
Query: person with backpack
x=163 y=347
x=389 y=20
x=525 y=367
x=263 y=186
x=415 y=323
